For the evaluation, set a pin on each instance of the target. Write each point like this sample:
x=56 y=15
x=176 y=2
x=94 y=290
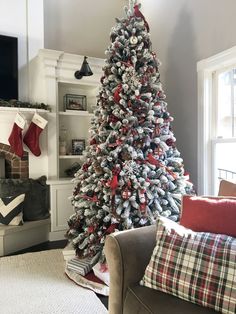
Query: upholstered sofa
x=128 y=253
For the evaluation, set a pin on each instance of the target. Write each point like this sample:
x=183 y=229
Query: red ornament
x=91 y=229
x=158 y=151
x=85 y=167
x=113 y=118
x=143 y=208
x=128 y=64
x=129 y=183
x=170 y=142
x=126 y=194
x=98 y=149
x=157 y=131
x=93 y=141
x=124 y=129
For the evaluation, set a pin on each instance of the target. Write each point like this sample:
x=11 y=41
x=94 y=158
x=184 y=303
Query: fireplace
x=15 y=167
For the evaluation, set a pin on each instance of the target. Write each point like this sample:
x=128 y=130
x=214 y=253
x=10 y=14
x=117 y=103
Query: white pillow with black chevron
x=11 y=210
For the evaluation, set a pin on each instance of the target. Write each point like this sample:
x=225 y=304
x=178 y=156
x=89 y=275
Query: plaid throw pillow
x=195 y=266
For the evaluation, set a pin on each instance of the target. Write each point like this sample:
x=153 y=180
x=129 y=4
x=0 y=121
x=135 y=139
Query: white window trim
x=206 y=69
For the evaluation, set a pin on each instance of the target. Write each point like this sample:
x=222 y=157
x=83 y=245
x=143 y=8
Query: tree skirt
x=36 y=283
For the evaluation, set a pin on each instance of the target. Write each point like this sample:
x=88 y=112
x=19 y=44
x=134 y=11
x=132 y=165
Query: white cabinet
x=61 y=208
x=51 y=80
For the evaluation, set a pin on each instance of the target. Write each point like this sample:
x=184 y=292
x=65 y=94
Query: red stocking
x=31 y=138
x=15 y=138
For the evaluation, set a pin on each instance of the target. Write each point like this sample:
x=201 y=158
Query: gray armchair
x=128 y=253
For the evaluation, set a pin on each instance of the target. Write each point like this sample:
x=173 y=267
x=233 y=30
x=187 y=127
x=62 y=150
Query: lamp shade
x=84 y=71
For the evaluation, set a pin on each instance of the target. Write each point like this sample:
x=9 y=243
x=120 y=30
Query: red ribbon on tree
x=117 y=92
x=137 y=13
x=86 y=166
x=155 y=162
x=142 y=208
x=111 y=228
x=92 y=199
x=152 y=160
x=113 y=185
x=114 y=182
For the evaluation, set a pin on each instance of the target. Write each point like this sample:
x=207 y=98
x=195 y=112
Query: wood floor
x=55 y=245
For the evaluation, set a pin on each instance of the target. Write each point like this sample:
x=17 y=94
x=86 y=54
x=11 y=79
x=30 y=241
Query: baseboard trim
x=57 y=235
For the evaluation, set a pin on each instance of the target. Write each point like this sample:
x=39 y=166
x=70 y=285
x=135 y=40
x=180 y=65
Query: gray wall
x=183 y=32
x=80 y=26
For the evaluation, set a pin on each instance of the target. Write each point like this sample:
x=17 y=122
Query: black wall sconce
x=84 y=71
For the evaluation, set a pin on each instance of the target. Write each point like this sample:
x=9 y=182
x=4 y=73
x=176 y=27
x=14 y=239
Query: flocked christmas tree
x=133 y=171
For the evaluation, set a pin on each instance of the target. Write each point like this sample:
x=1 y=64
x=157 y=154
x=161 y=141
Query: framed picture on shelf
x=75 y=102
x=78 y=146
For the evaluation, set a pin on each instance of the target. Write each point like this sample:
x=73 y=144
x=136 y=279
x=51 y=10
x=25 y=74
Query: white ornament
x=160 y=120
x=133 y=40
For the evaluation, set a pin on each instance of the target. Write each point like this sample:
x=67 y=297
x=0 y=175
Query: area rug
x=35 y=283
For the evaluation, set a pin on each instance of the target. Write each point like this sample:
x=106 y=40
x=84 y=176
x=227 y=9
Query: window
x=225 y=100
x=216 y=121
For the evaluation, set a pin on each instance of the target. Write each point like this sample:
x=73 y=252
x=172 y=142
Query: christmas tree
x=133 y=171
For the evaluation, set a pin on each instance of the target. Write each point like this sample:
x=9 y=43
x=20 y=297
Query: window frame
x=207 y=115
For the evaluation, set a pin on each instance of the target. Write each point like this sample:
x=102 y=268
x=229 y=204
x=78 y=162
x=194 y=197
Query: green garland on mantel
x=13 y=103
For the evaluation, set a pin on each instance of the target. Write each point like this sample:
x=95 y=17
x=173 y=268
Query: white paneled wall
x=24 y=19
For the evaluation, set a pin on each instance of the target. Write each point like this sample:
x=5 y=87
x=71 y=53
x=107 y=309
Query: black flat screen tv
x=8 y=68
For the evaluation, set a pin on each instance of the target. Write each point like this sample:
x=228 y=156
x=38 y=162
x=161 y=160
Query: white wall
x=23 y=19
x=13 y=23
x=183 y=32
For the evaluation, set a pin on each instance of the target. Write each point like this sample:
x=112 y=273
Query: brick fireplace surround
x=15 y=167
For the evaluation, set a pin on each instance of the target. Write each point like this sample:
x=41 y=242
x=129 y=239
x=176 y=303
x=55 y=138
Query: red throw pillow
x=209 y=214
